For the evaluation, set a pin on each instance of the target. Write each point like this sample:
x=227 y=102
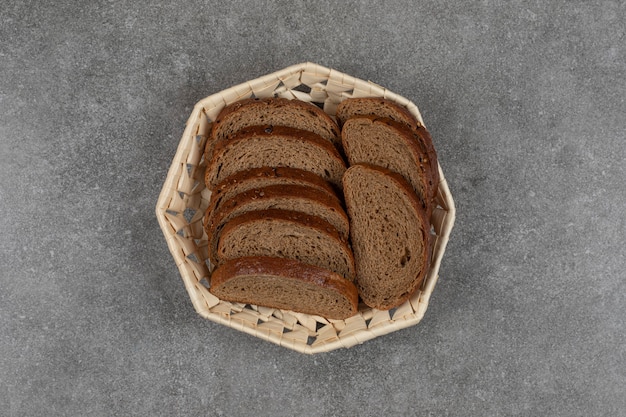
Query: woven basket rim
x=179 y=213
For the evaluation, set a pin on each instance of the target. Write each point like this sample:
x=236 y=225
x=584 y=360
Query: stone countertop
x=525 y=103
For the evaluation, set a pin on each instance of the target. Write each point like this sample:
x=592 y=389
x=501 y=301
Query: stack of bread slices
x=312 y=215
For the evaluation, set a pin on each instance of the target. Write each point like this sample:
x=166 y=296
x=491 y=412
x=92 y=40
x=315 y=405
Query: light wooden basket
x=184 y=199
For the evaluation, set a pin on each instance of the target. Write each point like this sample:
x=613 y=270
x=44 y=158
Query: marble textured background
x=525 y=102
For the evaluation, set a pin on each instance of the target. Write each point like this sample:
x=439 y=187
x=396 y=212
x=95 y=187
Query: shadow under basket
x=184 y=199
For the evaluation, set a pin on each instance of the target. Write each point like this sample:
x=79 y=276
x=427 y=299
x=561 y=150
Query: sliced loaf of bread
x=389 y=144
x=390 y=235
x=272 y=111
x=286 y=234
x=285 y=284
x=264 y=177
x=275 y=146
x=297 y=198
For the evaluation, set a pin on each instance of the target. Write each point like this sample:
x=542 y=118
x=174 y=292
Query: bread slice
x=273 y=111
x=422 y=136
x=286 y=234
x=390 y=235
x=385 y=108
x=277 y=146
x=285 y=284
x=374 y=106
x=389 y=144
x=262 y=177
x=297 y=198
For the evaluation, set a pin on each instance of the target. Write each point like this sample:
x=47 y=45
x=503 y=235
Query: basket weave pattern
x=184 y=199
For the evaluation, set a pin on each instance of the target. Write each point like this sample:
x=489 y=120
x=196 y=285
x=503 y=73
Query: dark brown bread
x=389 y=144
x=273 y=111
x=390 y=235
x=259 y=146
x=285 y=284
x=286 y=234
x=381 y=107
x=423 y=137
x=263 y=177
x=374 y=106
x=295 y=198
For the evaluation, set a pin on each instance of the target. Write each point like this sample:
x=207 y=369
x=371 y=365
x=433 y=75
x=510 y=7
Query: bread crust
x=294 y=273
x=423 y=136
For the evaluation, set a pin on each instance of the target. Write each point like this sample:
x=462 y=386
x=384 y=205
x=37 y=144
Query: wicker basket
x=184 y=199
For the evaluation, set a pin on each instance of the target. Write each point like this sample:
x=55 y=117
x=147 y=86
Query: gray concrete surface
x=525 y=102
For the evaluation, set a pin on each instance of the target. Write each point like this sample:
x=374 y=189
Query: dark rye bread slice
x=275 y=146
x=298 y=198
x=374 y=106
x=390 y=235
x=273 y=111
x=389 y=144
x=262 y=177
x=285 y=284
x=381 y=107
x=286 y=234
